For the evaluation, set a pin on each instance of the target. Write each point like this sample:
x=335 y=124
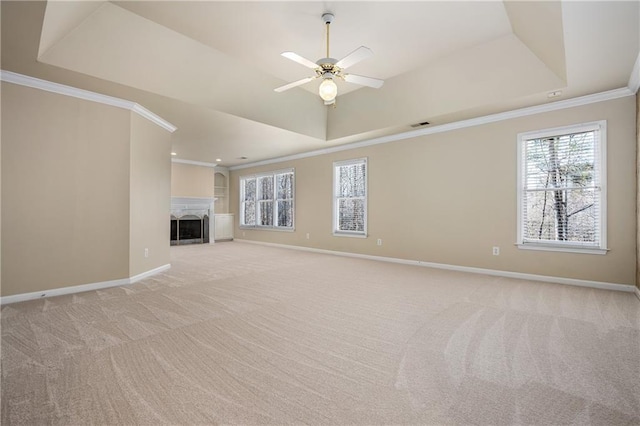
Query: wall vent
x=424 y=123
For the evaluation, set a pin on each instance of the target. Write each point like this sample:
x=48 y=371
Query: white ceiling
x=210 y=67
x=259 y=32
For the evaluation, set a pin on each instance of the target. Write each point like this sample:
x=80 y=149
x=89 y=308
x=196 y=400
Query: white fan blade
x=364 y=81
x=361 y=53
x=294 y=84
x=299 y=59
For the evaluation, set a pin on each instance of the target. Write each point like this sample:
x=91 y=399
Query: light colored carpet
x=239 y=333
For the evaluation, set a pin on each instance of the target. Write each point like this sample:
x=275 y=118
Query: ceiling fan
x=329 y=69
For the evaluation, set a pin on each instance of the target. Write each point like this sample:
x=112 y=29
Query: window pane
x=265 y=188
x=249 y=189
x=562 y=215
x=249 y=212
x=284 y=185
x=561 y=162
x=352 y=180
x=351 y=214
x=285 y=213
x=266 y=213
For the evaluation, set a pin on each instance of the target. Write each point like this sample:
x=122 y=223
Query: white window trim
x=601 y=249
x=267 y=227
x=352 y=234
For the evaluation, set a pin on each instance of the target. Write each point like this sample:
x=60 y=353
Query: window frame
x=600 y=167
x=336 y=166
x=274 y=200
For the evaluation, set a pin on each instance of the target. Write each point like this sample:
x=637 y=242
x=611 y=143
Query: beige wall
x=0 y=189
x=150 y=187
x=188 y=180
x=638 y=189
x=65 y=191
x=450 y=197
x=85 y=189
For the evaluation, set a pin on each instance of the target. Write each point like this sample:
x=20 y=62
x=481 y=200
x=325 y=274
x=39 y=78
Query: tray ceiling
x=210 y=67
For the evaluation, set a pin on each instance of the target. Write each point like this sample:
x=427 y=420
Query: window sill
x=561 y=248
x=347 y=234
x=266 y=228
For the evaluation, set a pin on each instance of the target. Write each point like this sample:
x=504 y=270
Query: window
x=350 y=197
x=266 y=200
x=562 y=189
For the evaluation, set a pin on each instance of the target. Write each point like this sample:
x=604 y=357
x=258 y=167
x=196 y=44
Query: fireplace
x=189 y=229
x=190 y=220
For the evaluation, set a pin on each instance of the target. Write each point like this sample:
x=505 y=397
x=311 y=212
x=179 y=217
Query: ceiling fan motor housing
x=327 y=62
x=327 y=66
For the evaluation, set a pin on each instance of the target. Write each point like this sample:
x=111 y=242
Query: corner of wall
x=638 y=190
x=149 y=196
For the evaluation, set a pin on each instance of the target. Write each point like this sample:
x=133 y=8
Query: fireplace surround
x=190 y=220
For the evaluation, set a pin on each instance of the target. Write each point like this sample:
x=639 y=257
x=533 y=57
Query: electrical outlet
x=307 y=235
x=496 y=251
x=146 y=252
x=379 y=241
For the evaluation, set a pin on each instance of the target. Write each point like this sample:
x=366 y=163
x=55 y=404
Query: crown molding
x=61 y=89
x=193 y=163
x=634 y=79
x=145 y=113
x=478 y=121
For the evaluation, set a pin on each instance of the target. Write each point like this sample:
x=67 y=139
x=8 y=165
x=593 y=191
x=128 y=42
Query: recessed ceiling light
x=218 y=159
x=174 y=153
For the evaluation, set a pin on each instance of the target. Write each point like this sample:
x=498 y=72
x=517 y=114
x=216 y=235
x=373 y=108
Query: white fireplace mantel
x=192 y=203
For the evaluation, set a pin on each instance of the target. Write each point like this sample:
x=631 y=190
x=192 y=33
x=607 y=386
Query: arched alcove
x=221 y=190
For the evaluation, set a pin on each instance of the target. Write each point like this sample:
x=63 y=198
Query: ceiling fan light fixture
x=328 y=89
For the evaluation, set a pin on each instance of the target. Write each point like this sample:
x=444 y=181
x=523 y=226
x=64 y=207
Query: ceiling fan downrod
x=328 y=19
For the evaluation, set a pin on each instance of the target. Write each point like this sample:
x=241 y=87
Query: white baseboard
x=637 y=291
x=149 y=273
x=5 y=300
x=493 y=272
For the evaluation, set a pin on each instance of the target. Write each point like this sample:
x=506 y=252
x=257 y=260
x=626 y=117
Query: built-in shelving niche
x=221 y=190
